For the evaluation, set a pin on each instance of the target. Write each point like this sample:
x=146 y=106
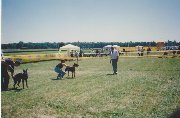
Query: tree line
x=57 y=45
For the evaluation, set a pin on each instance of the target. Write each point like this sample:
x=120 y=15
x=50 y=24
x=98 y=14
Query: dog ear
x=26 y=69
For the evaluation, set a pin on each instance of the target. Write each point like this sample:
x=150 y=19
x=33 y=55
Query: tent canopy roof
x=139 y=46
x=70 y=46
x=108 y=46
x=115 y=46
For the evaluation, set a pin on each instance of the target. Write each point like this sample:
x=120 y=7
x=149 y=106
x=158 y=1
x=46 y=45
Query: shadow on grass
x=109 y=74
x=14 y=89
x=64 y=78
x=175 y=114
x=69 y=77
x=56 y=79
x=108 y=114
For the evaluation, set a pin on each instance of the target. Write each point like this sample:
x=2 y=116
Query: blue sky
x=90 y=20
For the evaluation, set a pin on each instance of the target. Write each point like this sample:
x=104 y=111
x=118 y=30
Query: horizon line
x=92 y=42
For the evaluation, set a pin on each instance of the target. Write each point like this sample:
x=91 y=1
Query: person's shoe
x=115 y=73
x=59 y=77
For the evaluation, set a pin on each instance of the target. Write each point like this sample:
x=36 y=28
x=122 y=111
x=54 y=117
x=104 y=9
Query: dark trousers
x=60 y=72
x=114 y=65
x=4 y=80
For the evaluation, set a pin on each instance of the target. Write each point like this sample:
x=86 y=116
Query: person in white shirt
x=114 y=59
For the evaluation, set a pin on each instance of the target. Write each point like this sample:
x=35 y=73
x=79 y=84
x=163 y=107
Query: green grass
x=144 y=87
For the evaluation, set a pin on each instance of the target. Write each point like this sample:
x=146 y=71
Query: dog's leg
x=15 y=83
x=26 y=83
x=23 y=83
x=19 y=82
x=68 y=72
x=72 y=74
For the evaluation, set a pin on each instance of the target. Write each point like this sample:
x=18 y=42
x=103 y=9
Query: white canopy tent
x=108 y=46
x=139 y=48
x=106 y=49
x=116 y=46
x=67 y=49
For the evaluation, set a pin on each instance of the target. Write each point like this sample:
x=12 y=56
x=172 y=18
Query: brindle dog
x=72 y=69
x=21 y=76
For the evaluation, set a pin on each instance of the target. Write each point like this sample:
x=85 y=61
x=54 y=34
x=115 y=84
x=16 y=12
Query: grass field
x=144 y=87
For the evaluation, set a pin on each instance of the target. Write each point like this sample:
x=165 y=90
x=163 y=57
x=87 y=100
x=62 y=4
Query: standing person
x=81 y=53
x=139 y=50
x=142 y=51
x=11 y=65
x=76 y=55
x=4 y=76
x=71 y=53
x=114 y=59
x=148 y=50
x=7 y=65
x=59 y=70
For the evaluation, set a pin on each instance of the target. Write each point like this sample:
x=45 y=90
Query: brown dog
x=21 y=76
x=72 y=69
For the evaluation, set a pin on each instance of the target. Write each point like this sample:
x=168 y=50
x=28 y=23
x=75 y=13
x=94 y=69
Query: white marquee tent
x=138 y=48
x=108 y=46
x=67 y=49
x=116 y=46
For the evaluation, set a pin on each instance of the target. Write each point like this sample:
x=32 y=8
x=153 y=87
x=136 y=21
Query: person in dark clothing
x=59 y=70
x=178 y=52
x=4 y=76
x=148 y=50
x=7 y=65
x=142 y=51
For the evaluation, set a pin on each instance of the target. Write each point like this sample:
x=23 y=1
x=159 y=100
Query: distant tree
x=60 y=44
x=55 y=45
x=19 y=45
x=174 y=43
x=30 y=45
x=4 y=46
